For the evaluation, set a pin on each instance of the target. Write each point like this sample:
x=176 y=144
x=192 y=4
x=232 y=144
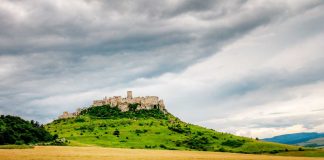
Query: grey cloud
x=196 y=6
x=102 y=45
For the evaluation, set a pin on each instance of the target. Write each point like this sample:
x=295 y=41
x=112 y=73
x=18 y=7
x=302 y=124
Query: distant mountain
x=296 y=138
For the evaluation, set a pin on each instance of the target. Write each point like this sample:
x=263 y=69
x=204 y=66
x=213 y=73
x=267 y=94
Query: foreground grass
x=307 y=153
x=99 y=153
x=15 y=146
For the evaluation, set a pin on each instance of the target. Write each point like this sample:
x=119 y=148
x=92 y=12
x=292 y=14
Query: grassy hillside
x=108 y=127
x=14 y=130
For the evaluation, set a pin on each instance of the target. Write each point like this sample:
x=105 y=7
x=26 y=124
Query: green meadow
x=108 y=127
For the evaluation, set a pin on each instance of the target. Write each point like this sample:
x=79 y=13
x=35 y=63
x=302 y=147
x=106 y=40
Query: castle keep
x=148 y=102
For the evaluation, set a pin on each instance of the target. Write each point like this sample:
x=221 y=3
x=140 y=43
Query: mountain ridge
x=301 y=138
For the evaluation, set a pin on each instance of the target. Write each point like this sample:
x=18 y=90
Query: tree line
x=15 y=130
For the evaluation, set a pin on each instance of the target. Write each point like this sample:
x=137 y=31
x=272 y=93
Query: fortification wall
x=148 y=102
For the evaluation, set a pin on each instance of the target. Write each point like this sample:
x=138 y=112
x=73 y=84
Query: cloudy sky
x=252 y=68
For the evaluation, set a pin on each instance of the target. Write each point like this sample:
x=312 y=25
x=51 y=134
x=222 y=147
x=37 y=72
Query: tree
x=14 y=130
x=116 y=133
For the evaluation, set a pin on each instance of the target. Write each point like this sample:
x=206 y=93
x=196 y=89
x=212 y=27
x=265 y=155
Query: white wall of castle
x=148 y=102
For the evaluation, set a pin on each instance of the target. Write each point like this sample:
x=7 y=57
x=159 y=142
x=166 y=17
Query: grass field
x=307 y=153
x=99 y=153
x=15 y=146
x=156 y=134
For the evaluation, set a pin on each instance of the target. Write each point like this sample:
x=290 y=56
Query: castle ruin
x=70 y=115
x=148 y=102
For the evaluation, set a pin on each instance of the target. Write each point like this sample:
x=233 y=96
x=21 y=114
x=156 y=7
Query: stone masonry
x=148 y=102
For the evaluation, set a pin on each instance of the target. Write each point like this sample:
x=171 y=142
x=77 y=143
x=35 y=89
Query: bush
x=163 y=146
x=177 y=128
x=59 y=142
x=137 y=131
x=198 y=142
x=78 y=119
x=274 y=151
x=233 y=143
x=116 y=133
x=222 y=149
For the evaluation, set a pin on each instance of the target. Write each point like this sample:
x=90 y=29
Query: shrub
x=163 y=146
x=116 y=133
x=222 y=149
x=179 y=129
x=59 y=142
x=198 y=142
x=274 y=151
x=233 y=143
x=78 y=119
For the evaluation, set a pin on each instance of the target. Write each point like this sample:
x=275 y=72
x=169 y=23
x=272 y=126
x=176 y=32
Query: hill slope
x=14 y=130
x=304 y=138
x=109 y=127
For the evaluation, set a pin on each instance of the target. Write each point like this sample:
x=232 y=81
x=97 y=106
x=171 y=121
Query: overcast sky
x=252 y=68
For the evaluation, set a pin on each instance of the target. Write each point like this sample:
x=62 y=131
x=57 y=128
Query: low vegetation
x=14 y=130
x=306 y=153
x=152 y=129
x=13 y=146
x=107 y=112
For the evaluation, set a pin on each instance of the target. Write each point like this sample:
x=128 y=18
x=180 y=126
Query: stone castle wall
x=148 y=102
x=70 y=115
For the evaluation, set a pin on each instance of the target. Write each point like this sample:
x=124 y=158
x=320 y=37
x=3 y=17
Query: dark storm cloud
x=50 y=49
x=275 y=79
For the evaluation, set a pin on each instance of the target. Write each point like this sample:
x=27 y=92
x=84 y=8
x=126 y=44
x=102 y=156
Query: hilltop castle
x=148 y=102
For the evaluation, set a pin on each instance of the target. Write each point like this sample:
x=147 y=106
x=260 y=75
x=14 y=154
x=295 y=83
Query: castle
x=148 y=102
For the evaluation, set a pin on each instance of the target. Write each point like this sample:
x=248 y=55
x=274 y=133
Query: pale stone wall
x=70 y=115
x=129 y=94
x=98 y=103
x=148 y=102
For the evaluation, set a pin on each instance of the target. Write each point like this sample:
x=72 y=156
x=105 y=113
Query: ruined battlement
x=148 y=102
x=70 y=115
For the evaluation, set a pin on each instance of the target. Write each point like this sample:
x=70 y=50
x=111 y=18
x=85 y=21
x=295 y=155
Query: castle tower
x=129 y=94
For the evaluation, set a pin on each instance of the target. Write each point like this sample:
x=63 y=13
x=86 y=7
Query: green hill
x=109 y=127
x=14 y=130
